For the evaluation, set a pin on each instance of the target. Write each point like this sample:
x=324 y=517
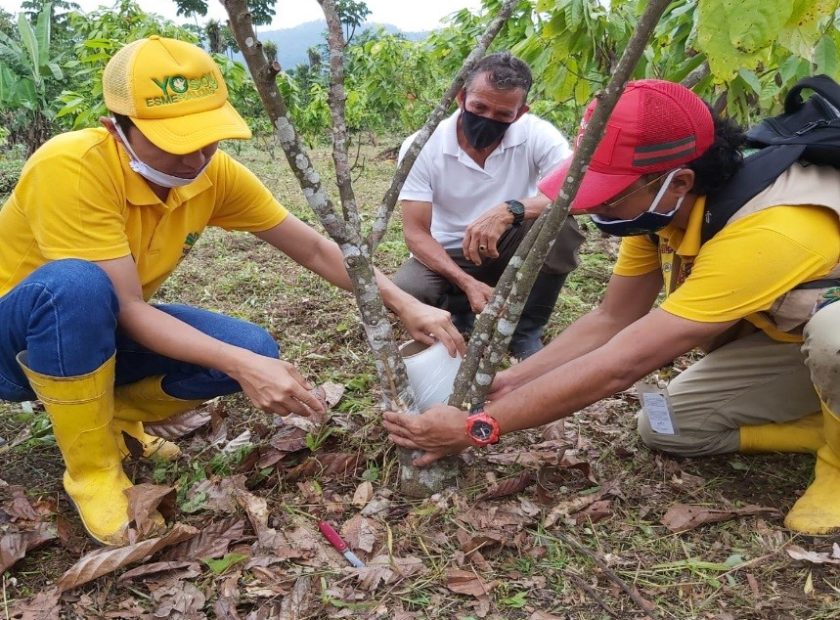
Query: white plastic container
x=431 y=372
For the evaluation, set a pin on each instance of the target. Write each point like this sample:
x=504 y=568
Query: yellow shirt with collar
x=743 y=269
x=78 y=198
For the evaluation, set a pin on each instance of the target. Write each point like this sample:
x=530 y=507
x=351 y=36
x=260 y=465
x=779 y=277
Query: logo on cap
x=176 y=88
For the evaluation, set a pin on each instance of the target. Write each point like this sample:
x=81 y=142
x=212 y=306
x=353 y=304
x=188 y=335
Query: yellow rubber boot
x=81 y=409
x=818 y=510
x=804 y=435
x=145 y=401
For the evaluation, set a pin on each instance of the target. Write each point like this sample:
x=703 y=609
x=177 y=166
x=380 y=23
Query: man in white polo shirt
x=471 y=197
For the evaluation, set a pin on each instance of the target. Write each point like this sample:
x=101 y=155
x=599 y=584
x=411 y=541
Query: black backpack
x=808 y=130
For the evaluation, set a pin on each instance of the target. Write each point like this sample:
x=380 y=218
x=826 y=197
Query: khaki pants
x=751 y=381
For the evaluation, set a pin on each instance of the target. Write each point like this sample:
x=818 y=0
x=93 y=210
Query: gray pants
x=431 y=288
x=752 y=381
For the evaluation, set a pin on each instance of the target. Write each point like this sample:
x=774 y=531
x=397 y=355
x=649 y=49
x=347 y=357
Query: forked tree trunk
x=495 y=325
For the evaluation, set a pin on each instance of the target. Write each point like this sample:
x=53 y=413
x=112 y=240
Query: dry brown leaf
x=256 y=508
x=360 y=533
x=385 y=570
x=338 y=464
x=15 y=545
x=225 y=609
x=144 y=501
x=333 y=392
x=497 y=516
x=159 y=567
x=554 y=431
x=43 y=606
x=571 y=506
x=511 y=486
x=683 y=517
x=181 y=601
x=294 y=606
x=544 y=615
x=548 y=453
x=211 y=542
x=466 y=582
x=108 y=559
x=596 y=511
x=178 y=426
x=363 y=494
x=814 y=557
x=288 y=439
x=19 y=507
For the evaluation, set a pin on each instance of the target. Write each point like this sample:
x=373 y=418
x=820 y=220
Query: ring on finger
x=482 y=248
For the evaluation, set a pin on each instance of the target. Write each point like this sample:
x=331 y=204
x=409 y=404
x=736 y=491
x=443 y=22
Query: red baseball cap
x=656 y=126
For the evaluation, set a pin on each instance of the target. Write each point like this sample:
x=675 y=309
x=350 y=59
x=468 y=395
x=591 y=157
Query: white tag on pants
x=657 y=408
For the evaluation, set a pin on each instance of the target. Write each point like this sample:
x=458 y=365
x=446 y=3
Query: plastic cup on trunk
x=431 y=372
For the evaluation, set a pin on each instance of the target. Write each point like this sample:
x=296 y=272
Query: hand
x=439 y=431
x=503 y=383
x=478 y=294
x=428 y=324
x=482 y=235
x=276 y=386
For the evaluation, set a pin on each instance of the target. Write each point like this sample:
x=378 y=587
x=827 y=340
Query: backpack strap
x=821 y=84
x=757 y=173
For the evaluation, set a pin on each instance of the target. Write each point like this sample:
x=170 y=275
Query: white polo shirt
x=460 y=190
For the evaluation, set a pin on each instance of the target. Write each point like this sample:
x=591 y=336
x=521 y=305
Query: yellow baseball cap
x=174 y=93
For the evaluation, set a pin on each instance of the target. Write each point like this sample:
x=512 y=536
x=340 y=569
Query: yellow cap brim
x=190 y=133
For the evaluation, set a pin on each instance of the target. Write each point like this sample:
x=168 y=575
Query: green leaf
x=27 y=36
x=222 y=564
x=825 y=57
x=802 y=30
x=42 y=34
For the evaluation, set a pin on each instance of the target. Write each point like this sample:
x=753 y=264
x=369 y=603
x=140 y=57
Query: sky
x=406 y=15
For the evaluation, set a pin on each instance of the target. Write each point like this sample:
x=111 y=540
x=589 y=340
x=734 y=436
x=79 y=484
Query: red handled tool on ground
x=338 y=544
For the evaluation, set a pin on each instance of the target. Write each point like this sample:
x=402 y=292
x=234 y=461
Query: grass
x=736 y=569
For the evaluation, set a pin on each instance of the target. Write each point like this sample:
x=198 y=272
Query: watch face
x=481 y=430
x=516 y=207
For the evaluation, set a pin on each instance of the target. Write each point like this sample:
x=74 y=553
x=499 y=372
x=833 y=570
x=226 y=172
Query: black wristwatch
x=517 y=210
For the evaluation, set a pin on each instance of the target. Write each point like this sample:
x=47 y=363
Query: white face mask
x=150 y=174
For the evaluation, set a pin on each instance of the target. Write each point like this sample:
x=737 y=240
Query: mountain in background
x=292 y=43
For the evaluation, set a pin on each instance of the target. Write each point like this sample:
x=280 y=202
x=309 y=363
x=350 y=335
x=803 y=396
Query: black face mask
x=480 y=131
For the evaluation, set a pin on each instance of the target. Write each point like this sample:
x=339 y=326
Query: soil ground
x=492 y=558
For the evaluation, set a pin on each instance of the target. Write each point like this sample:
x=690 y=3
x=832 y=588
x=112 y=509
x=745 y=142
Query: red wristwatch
x=482 y=429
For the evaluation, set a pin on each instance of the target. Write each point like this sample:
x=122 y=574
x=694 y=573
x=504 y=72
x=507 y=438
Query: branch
x=386 y=207
x=556 y=213
x=264 y=75
x=338 y=96
x=696 y=76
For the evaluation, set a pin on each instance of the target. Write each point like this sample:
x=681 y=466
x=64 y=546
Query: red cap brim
x=596 y=189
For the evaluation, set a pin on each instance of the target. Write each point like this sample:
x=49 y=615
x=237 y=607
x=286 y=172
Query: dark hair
x=123 y=121
x=720 y=162
x=504 y=72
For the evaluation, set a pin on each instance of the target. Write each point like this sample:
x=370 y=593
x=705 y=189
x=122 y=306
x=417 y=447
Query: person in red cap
x=756 y=297
x=98 y=221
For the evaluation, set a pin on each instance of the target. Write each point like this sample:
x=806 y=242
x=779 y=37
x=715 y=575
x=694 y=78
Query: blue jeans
x=65 y=315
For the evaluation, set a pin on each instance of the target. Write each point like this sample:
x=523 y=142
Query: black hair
x=504 y=72
x=123 y=121
x=720 y=162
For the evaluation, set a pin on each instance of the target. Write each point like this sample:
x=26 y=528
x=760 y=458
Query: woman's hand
x=276 y=386
x=439 y=431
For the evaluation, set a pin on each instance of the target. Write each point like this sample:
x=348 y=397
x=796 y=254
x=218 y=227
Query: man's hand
x=276 y=386
x=503 y=384
x=428 y=324
x=482 y=236
x=439 y=431
x=478 y=294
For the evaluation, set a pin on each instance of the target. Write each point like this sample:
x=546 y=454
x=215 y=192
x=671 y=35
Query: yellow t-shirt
x=78 y=198
x=743 y=269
